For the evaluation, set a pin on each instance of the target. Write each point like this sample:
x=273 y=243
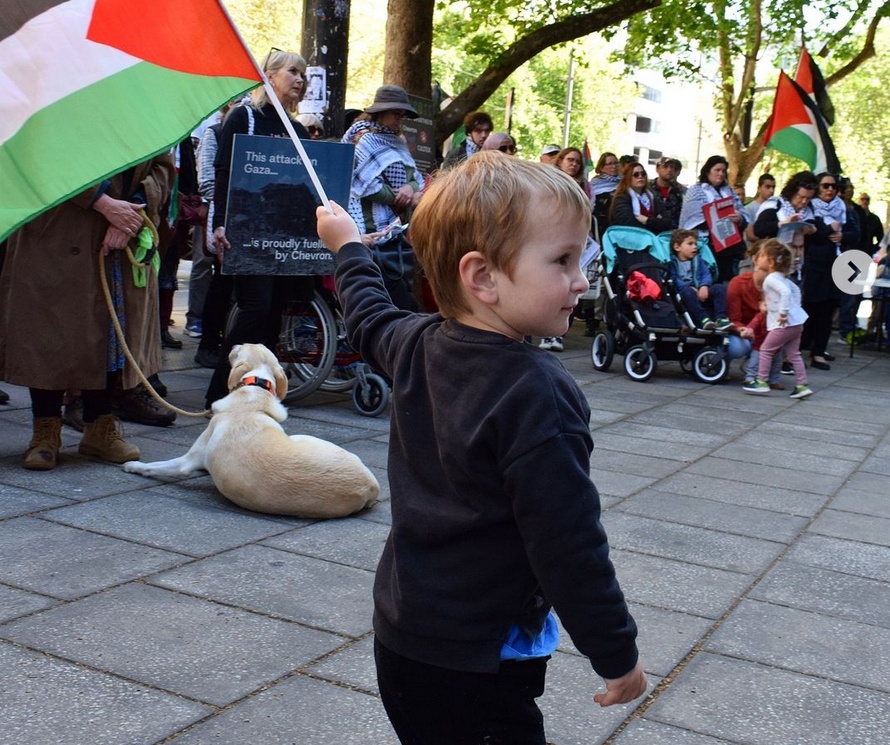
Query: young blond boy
x=494 y=515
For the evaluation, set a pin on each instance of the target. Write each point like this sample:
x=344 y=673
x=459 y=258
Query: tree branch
x=524 y=49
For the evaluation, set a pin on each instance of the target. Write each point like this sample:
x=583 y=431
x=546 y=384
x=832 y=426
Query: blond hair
x=274 y=62
x=484 y=205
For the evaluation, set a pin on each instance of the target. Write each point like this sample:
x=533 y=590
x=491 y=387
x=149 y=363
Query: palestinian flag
x=809 y=77
x=797 y=128
x=91 y=87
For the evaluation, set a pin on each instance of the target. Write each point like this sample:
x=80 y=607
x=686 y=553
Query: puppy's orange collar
x=259 y=382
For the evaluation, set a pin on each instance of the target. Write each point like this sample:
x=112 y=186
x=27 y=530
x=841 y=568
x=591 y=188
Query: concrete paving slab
x=644 y=732
x=677 y=585
x=266 y=580
x=160 y=638
x=849 y=557
x=44 y=701
x=71 y=562
x=163 y=522
x=633 y=444
x=756 y=456
x=864 y=528
x=75 y=478
x=764 y=475
x=825 y=445
x=745 y=702
x=786 y=432
x=827 y=592
x=354 y=543
x=679 y=423
x=686 y=440
x=806 y=642
x=618 y=483
x=15 y=501
x=298 y=710
x=664 y=637
x=646 y=466
x=729 y=491
x=570 y=715
x=706 y=513
x=15 y=603
x=690 y=544
x=351 y=666
x=877 y=464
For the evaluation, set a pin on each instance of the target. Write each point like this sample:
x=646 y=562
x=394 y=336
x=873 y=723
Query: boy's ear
x=477 y=279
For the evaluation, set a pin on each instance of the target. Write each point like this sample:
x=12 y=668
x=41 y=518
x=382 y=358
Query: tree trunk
x=409 y=35
x=409 y=45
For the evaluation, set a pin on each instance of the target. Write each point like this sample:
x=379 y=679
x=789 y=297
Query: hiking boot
x=138 y=405
x=104 y=439
x=756 y=386
x=43 y=450
x=156 y=383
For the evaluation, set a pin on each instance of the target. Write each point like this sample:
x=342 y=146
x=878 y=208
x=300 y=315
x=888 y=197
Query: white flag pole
x=285 y=119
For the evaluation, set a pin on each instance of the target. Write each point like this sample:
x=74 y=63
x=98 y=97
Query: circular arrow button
x=850 y=270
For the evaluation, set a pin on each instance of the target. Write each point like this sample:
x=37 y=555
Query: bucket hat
x=391 y=98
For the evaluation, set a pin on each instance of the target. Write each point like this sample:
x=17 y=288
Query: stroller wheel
x=686 y=366
x=602 y=350
x=370 y=396
x=709 y=366
x=639 y=363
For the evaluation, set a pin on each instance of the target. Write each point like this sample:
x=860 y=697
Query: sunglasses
x=507 y=148
x=828 y=186
x=315 y=130
x=637 y=174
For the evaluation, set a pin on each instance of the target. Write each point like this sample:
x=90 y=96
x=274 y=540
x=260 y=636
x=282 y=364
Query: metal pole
x=567 y=115
x=325 y=43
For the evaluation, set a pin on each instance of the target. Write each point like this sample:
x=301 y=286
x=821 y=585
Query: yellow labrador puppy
x=253 y=462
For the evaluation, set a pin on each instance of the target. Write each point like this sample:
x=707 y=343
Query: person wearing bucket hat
x=386 y=186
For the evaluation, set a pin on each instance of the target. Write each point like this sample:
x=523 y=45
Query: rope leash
x=120 y=332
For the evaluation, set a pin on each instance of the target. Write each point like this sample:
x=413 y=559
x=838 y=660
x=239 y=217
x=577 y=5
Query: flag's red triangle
x=804 y=75
x=788 y=109
x=192 y=36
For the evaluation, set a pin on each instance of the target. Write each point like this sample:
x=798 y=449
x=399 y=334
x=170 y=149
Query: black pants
x=96 y=403
x=260 y=299
x=817 y=329
x=430 y=705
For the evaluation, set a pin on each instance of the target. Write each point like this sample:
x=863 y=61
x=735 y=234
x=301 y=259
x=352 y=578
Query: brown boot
x=104 y=439
x=43 y=451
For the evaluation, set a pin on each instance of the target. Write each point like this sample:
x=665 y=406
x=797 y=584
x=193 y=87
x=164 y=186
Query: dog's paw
x=134 y=466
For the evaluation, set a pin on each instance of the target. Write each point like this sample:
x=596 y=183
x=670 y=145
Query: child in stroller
x=645 y=318
x=702 y=297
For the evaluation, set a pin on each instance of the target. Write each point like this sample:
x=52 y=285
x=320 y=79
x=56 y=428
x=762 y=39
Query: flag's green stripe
x=795 y=142
x=101 y=130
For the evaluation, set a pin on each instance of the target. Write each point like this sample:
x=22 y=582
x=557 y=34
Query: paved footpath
x=752 y=537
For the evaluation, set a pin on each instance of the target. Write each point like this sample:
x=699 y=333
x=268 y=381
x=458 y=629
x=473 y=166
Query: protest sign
x=270 y=219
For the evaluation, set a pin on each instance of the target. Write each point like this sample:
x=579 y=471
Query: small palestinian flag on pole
x=797 y=128
x=89 y=88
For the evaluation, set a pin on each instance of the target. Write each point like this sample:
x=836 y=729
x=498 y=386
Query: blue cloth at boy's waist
x=520 y=645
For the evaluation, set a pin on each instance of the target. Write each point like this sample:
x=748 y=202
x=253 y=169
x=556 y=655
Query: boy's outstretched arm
x=626 y=688
x=336 y=228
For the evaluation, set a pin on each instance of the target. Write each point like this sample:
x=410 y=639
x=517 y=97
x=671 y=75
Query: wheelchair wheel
x=371 y=396
x=639 y=363
x=709 y=366
x=342 y=376
x=307 y=346
x=602 y=351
